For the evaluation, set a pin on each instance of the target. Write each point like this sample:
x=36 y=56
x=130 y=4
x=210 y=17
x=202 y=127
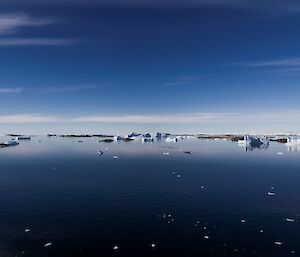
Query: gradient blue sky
x=116 y=66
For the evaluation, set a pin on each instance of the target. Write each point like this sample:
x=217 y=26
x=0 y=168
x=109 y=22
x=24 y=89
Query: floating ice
x=289 y=220
x=271 y=193
x=116 y=247
x=27 y=230
x=153 y=245
x=243 y=221
x=278 y=243
x=47 y=244
x=206 y=237
x=280 y=153
x=166 y=153
x=115 y=157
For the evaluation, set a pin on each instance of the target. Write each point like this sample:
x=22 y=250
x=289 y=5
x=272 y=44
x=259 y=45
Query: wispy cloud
x=7 y=90
x=217 y=118
x=10 y=23
x=274 y=63
x=13 y=22
x=196 y=118
x=36 y=42
x=28 y=118
x=177 y=81
x=286 y=65
x=66 y=89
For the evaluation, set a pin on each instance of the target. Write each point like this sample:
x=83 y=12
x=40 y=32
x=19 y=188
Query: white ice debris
x=166 y=153
x=153 y=245
x=279 y=153
x=116 y=247
x=27 y=230
x=278 y=243
x=206 y=237
x=47 y=244
x=178 y=176
x=289 y=220
x=271 y=193
x=115 y=157
x=243 y=221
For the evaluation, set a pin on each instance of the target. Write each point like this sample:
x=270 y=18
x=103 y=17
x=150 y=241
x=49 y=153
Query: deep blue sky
x=186 y=66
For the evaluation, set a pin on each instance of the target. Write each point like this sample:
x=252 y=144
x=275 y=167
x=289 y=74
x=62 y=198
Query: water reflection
x=250 y=148
x=214 y=201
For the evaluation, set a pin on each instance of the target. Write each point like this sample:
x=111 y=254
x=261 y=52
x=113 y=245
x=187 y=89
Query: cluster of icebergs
x=149 y=137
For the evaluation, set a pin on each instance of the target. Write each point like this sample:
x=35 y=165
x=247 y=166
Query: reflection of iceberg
x=250 y=142
x=147 y=138
x=9 y=143
x=293 y=144
x=169 y=140
x=293 y=141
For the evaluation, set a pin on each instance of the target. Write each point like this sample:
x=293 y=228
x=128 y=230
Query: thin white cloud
x=216 y=118
x=13 y=22
x=15 y=90
x=66 y=89
x=28 y=118
x=35 y=42
x=9 y=23
x=196 y=118
x=275 y=63
x=287 y=66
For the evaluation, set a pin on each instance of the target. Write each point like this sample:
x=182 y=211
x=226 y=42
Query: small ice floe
x=27 y=230
x=289 y=220
x=116 y=248
x=271 y=193
x=173 y=172
x=279 y=153
x=206 y=237
x=178 y=176
x=47 y=244
x=243 y=221
x=278 y=243
x=261 y=231
x=202 y=187
x=166 y=153
x=153 y=245
x=115 y=157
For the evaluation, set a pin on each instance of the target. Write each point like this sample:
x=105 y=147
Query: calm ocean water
x=219 y=201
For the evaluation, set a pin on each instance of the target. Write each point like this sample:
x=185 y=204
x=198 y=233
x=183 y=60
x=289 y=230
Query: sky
x=179 y=66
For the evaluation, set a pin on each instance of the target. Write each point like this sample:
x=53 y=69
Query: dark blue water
x=214 y=202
